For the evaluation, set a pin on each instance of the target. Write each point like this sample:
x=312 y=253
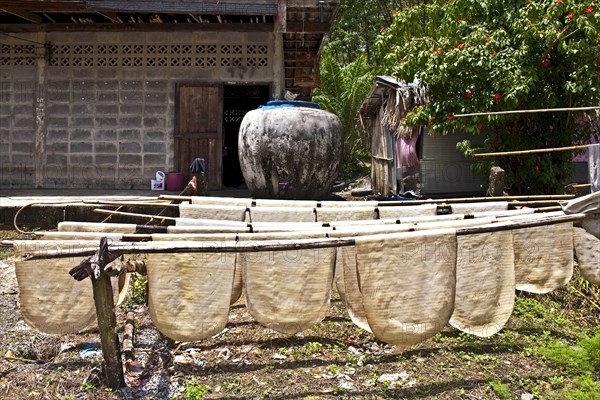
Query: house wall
x=444 y=169
x=98 y=110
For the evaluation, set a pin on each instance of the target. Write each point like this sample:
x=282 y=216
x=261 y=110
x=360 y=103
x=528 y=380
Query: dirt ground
x=335 y=359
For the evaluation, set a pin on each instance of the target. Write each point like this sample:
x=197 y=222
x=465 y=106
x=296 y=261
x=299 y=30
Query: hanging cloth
x=406 y=149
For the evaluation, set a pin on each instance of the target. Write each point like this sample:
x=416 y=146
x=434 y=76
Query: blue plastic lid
x=289 y=103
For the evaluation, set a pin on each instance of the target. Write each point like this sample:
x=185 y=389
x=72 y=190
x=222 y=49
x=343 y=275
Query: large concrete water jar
x=290 y=150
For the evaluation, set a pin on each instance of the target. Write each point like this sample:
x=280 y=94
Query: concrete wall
x=99 y=110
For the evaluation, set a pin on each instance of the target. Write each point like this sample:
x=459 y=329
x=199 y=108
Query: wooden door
x=198 y=133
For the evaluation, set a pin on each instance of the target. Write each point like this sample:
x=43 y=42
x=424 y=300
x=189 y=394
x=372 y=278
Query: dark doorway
x=237 y=101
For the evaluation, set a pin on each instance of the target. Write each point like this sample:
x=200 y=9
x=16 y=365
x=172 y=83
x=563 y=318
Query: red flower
x=598 y=73
x=589 y=9
x=570 y=16
x=497 y=96
x=381 y=29
x=468 y=94
x=439 y=51
x=597 y=58
x=450 y=117
x=393 y=12
x=487 y=39
x=536 y=168
x=460 y=46
x=480 y=126
x=494 y=54
x=546 y=64
x=559 y=1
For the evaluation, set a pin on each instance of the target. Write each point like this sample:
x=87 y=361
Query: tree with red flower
x=506 y=73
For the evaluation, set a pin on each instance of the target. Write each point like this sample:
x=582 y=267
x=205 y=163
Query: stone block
x=131 y=109
x=105 y=147
x=22 y=135
x=23 y=122
x=129 y=135
x=58 y=108
x=107 y=109
x=57 y=121
x=156 y=98
x=130 y=122
x=80 y=160
x=57 y=158
x=130 y=159
x=57 y=135
x=57 y=148
x=131 y=85
x=154 y=122
x=155 y=160
x=155 y=109
x=23 y=110
x=154 y=147
x=22 y=147
x=80 y=134
x=22 y=160
x=129 y=147
x=82 y=122
x=108 y=96
x=80 y=147
x=86 y=109
x=157 y=85
x=155 y=135
x=106 y=159
x=105 y=135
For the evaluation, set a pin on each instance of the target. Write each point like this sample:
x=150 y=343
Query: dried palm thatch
x=398 y=104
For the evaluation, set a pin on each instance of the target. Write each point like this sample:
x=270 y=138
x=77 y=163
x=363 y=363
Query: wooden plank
x=199 y=113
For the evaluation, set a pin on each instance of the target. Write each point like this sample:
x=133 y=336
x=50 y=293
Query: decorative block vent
x=234 y=115
x=158 y=55
x=17 y=55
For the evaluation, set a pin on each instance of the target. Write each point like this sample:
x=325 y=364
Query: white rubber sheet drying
x=189 y=293
x=407 y=281
x=485 y=283
x=288 y=291
x=543 y=257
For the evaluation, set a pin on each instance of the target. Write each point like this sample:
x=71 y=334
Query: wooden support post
x=107 y=321
x=496 y=187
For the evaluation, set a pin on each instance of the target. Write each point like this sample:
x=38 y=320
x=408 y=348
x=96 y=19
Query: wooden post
x=107 y=321
x=496 y=187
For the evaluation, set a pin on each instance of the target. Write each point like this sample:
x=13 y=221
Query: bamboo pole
x=477 y=199
x=541 y=110
x=531 y=202
x=132 y=203
x=120 y=248
x=448 y=200
x=135 y=215
x=533 y=151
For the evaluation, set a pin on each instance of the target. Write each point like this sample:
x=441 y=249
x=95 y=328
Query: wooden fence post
x=107 y=321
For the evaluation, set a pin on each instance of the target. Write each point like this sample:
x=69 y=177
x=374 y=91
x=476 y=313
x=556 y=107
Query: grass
x=194 y=390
